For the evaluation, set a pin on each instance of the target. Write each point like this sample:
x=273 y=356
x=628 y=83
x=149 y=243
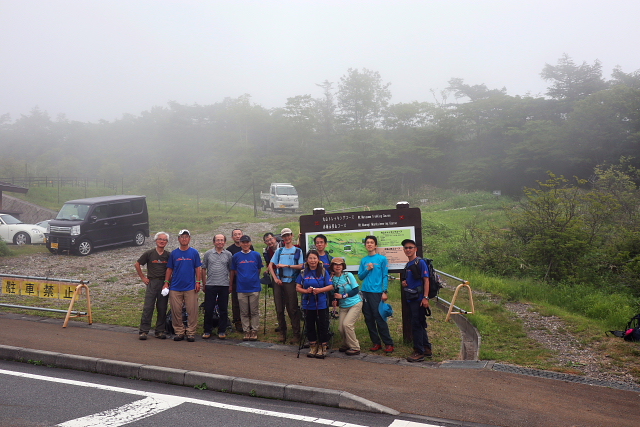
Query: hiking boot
x=238 y=326
x=247 y=336
x=352 y=352
x=295 y=339
x=388 y=349
x=222 y=336
x=313 y=349
x=343 y=349
x=375 y=347
x=191 y=338
x=283 y=337
x=143 y=336
x=253 y=336
x=161 y=336
x=206 y=335
x=428 y=352
x=178 y=338
x=322 y=351
x=416 y=357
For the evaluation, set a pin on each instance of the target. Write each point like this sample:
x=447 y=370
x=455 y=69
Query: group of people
x=234 y=273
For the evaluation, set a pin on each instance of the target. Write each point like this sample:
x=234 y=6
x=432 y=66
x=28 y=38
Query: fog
x=96 y=60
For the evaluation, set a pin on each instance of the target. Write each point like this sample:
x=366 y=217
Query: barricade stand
x=46 y=287
x=82 y=286
x=453 y=301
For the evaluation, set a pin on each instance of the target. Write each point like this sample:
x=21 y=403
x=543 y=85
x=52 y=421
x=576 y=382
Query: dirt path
x=553 y=333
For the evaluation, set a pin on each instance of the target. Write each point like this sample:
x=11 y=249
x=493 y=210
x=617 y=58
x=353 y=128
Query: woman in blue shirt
x=347 y=294
x=313 y=283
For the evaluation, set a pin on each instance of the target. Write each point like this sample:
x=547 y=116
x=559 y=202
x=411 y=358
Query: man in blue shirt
x=245 y=268
x=374 y=273
x=416 y=292
x=284 y=267
x=183 y=281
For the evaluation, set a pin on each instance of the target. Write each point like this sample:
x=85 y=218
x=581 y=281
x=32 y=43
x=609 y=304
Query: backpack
x=631 y=332
x=296 y=260
x=435 y=284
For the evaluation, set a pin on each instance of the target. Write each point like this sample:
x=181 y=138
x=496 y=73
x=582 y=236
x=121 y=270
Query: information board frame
x=346 y=231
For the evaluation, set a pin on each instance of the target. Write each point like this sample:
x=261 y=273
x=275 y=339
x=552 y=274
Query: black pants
x=216 y=295
x=317 y=324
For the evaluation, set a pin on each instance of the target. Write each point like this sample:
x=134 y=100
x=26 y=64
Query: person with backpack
x=347 y=295
x=313 y=283
x=374 y=273
x=285 y=266
x=415 y=290
x=320 y=241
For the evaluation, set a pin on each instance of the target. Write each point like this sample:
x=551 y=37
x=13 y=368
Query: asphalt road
x=44 y=396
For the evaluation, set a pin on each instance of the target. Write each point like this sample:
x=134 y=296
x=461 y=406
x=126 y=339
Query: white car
x=12 y=230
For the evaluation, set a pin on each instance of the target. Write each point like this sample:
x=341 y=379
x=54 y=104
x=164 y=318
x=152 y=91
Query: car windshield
x=286 y=191
x=8 y=219
x=73 y=211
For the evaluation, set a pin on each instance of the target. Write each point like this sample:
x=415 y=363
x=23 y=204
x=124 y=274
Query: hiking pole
x=266 y=293
x=303 y=333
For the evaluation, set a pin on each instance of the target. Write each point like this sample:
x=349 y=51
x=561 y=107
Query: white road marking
x=125 y=414
x=112 y=417
x=404 y=423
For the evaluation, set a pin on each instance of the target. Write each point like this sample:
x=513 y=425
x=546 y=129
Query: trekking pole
x=266 y=293
x=303 y=333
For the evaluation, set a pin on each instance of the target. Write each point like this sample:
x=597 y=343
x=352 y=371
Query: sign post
x=346 y=232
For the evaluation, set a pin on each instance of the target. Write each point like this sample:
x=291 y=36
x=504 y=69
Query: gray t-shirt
x=218 y=266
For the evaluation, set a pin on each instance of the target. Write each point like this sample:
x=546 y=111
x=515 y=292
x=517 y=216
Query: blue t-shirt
x=184 y=264
x=414 y=282
x=310 y=279
x=287 y=256
x=377 y=279
x=325 y=260
x=247 y=267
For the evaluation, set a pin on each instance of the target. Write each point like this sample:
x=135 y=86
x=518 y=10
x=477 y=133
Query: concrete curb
x=223 y=383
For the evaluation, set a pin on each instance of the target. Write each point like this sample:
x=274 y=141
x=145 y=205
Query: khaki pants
x=190 y=300
x=249 y=313
x=348 y=318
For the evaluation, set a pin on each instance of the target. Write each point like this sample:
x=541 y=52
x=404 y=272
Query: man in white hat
x=183 y=279
x=284 y=267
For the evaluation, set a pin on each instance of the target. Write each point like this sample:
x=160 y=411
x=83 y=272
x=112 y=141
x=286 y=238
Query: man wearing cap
x=183 y=281
x=284 y=267
x=156 y=261
x=234 y=248
x=416 y=293
x=245 y=268
x=216 y=265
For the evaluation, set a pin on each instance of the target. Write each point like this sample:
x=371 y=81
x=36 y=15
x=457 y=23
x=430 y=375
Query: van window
x=121 y=208
x=101 y=211
x=137 y=205
x=73 y=211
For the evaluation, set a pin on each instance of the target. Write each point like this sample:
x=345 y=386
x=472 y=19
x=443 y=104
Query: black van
x=85 y=224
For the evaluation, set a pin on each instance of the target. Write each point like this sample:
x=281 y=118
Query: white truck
x=281 y=195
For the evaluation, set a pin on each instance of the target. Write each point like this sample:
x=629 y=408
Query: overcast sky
x=95 y=60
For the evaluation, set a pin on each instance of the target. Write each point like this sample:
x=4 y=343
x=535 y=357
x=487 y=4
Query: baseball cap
x=245 y=238
x=385 y=310
x=185 y=231
x=286 y=231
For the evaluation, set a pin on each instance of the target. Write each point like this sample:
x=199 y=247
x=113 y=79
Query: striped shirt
x=218 y=266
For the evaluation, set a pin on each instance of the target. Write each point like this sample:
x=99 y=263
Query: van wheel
x=138 y=240
x=21 y=238
x=84 y=247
